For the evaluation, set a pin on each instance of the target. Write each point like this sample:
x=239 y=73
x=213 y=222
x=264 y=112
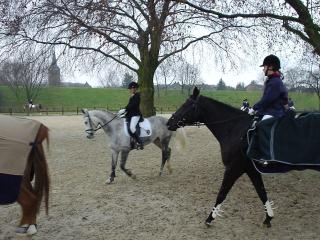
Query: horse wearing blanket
x=154 y=131
x=229 y=125
x=22 y=160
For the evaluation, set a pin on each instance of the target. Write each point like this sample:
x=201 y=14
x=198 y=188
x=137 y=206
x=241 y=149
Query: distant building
x=253 y=86
x=87 y=85
x=73 y=84
x=54 y=78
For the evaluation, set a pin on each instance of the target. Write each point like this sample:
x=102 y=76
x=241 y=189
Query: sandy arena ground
x=170 y=207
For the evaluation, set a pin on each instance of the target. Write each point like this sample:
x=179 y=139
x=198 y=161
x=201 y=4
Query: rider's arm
x=272 y=93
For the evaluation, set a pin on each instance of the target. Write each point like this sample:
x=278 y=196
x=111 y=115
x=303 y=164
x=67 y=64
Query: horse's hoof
x=209 y=220
x=267 y=221
x=267 y=224
x=26 y=230
x=109 y=181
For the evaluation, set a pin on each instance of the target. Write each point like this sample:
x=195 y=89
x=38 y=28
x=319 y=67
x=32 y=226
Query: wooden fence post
x=62 y=111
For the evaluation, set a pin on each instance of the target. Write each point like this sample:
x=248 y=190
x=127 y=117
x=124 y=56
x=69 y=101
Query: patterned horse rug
x=288 y=143
x=17 y=136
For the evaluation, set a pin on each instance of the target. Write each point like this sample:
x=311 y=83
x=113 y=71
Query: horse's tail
x=40 y=168
x=181 y=138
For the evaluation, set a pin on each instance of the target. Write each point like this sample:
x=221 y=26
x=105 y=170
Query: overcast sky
x=211 y=73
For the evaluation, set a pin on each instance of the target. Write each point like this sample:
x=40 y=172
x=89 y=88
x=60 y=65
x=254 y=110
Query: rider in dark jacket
x=275 y=94
x=133 y=113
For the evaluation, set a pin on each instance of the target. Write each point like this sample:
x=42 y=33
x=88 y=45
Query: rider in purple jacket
x=275 y=94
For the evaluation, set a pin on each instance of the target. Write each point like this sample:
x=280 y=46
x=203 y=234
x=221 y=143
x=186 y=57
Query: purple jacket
x=275 y=96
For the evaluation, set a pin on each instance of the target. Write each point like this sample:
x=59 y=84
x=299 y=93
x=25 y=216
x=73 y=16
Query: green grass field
x=116 y=98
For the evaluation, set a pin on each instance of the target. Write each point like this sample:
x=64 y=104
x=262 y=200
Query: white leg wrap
x=26 y=230
x=32 y=230
x=216 y=211
x=268 y=208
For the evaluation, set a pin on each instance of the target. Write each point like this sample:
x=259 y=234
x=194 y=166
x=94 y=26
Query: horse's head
x=187 y=114
x=89 y=124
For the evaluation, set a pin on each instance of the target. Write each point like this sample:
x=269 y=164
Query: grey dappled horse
x=113 y=126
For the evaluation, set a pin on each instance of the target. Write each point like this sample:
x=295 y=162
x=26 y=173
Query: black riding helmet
x=133 y=85
x=273 y=61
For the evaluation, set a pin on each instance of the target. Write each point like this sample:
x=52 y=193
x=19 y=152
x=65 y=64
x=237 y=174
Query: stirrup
x=139 y=146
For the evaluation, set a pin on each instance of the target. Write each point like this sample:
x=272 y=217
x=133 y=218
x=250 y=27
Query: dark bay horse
x=229 y=126
x=34 y=184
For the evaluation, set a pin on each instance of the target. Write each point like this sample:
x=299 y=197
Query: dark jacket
x=133 y=106
x=275 y=96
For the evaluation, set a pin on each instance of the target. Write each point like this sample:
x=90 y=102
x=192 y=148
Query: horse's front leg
x=231 y=174
x=166 y=153
x=114 y=161
x=124 y=157
x=257 y=182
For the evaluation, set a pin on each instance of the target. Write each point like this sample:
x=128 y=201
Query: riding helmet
x=133 y=85
x=273 y=61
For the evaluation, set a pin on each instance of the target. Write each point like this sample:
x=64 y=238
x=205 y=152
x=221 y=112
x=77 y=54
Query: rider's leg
x=133 y=123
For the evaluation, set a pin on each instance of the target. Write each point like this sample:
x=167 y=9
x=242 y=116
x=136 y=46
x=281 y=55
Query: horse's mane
x=221 y=104
x=105 y=111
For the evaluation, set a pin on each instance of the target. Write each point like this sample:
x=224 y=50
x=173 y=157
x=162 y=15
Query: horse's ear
x=196 y=92
x=83 y=111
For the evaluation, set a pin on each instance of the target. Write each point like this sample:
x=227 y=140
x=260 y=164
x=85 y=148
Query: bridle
x=193 y=106
x=99 y=126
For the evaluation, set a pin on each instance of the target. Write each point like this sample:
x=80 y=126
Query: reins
x=99 y=125
x=198 y=124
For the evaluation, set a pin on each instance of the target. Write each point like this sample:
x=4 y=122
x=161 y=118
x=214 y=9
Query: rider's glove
x=251 y=111
x=121 y=112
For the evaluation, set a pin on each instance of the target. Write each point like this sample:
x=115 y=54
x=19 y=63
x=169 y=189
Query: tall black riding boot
x=139 y=142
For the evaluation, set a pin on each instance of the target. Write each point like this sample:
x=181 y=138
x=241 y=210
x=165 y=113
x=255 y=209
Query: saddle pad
x=287 y=143
x=145 y=128
x=16 y=134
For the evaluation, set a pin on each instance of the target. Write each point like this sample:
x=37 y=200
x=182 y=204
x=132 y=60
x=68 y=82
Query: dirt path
x=170 y=207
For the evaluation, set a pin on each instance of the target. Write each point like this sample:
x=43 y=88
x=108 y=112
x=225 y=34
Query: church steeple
x=54 y=72
x=54 y=59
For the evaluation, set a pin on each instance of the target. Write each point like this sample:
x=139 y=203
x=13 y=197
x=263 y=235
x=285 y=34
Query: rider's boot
x=139 y=142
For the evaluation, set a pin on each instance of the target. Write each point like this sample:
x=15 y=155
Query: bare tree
x=293 y=78
x=138 y=34
x=312 y=81
x=25 y=76
x=299 y=17
x=192 y=76
x=109 y=78
x=167 y=72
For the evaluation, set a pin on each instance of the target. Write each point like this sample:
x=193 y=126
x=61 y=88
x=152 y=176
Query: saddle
x=143 y=128
x=284 y=144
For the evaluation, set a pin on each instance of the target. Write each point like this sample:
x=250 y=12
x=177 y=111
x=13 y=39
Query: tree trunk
x=145 y=80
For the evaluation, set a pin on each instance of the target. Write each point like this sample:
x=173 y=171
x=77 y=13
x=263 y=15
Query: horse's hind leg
x=124 y=157
x=28 y=202
x=231 y=174
x=257 y=182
